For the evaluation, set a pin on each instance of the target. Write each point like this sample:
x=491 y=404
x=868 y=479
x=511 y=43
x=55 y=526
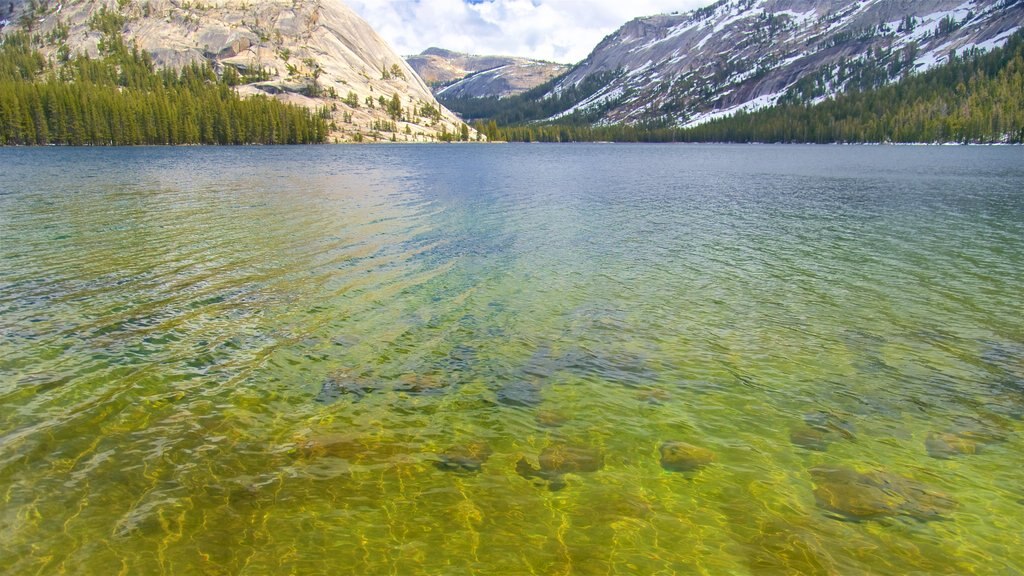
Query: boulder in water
x=683 y=457
x=468 y=457
x=551 y=418
x=338 y=386
x=420 y=383
x=819 y=430
x=945 y=445
x=557 y=460
x=857 y=496
x=521 y=393
x=810 y=438
x=828 y=421
x=653 y=396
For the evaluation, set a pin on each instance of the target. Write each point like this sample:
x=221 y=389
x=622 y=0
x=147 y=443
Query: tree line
x=121 y=99
x=976 y=98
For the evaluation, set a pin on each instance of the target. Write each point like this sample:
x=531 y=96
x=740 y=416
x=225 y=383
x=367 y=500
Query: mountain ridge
x=458 y=74
x=317 y=53
x=686 y=68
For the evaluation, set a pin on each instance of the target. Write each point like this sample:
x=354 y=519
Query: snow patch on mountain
x=683 y=69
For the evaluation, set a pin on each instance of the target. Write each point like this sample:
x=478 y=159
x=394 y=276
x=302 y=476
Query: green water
x=264 y=361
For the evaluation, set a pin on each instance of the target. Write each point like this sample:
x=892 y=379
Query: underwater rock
x=945 y=445
x=1004 y=362
x=333 y=445
x=856 y=496
x=331 y=391
x=792 y=547
x=558 y=460
x=541 y=364
x=819 y=430
x=590 y=317
x=420 y=383
x=653 y=396
x=521 y=393
x=244 y=496
x=338 y=386
x=682 y=457
x=351 y=448
x=461 y=360
x=810 y=438
x=623 y=368
x=831 y=422
x=551 y=418
x=464 y=457
x=522 y=387
x=617 y=503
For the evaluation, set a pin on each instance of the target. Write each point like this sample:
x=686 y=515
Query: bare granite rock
x=313 y=52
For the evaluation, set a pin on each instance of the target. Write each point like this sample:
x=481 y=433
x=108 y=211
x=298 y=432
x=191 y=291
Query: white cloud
x=559 y=30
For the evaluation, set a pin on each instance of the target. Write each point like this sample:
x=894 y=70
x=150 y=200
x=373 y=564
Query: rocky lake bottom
x=576 y=359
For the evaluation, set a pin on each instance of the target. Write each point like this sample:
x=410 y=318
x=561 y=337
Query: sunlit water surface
x=349 y=360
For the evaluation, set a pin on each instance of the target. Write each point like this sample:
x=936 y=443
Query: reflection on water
x=515 y=359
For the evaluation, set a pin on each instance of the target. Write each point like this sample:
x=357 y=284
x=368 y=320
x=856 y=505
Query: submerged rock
x=523 y=386
x=523 y=393
x=460 y=359
x=338 y=386
x=464 y=457
x=420 y=383
x=856 y=496
x=810 y=438
x=551 y=418
x=623 y=368
x=830 y=422
x=682 y=457
x=945 y=445
x=819 y=430
x=559 y=459
x=327 y=445
x=541 y=364
x=349 y=447
x=653 y=396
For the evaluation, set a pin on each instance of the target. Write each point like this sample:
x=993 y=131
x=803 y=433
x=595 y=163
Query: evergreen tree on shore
x=120 y=99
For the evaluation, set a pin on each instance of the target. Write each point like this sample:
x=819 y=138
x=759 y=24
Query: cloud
x=558 y=30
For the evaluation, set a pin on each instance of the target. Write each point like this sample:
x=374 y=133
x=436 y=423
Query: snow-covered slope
x=503 y=81
x=746 y=54
x=457 y=75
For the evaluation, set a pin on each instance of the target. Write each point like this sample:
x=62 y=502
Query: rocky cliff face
x=315 y=52
x=746 y=54
x=456 y=75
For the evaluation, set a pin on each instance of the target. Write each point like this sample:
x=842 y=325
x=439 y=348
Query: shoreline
x=500 y=142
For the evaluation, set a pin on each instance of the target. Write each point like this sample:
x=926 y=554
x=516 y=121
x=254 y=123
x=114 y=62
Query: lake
x=564 y=359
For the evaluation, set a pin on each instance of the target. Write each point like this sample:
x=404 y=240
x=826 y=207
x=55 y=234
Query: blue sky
x=558 y=30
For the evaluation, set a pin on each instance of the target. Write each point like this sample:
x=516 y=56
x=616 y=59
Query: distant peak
x=434 y=51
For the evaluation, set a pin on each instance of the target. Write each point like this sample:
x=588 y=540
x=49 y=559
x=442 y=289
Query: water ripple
x=252 y=360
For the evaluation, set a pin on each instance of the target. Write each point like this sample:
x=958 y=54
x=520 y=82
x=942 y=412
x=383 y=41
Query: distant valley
x=457 y=75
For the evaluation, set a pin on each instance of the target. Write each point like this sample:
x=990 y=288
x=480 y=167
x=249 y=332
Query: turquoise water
x=472 y=359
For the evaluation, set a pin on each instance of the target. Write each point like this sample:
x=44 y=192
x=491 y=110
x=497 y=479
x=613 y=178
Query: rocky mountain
x=318 y=53
x=457 y=75
x=686 y=68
